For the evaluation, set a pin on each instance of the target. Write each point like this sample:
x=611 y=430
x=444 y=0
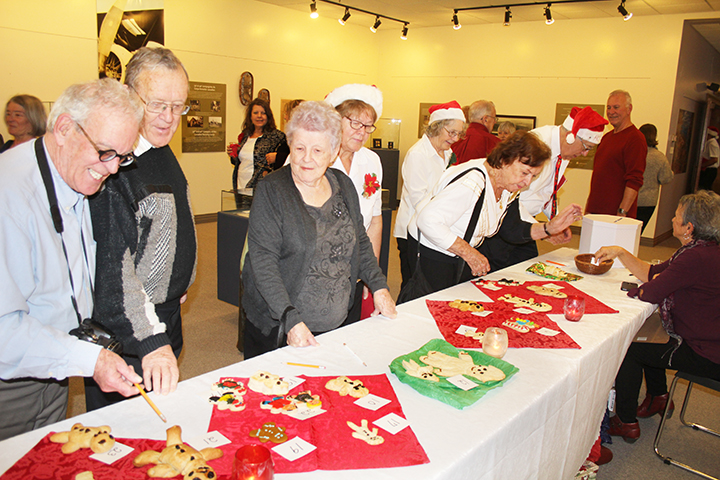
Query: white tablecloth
x=539 y=425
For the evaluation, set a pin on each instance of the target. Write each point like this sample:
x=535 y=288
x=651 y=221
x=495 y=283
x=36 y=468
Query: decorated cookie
x=97 y=439
x=547 y=291
x=549 y=271
x=466 y=306
x=179 y=458
x=268 y=384
x=229 y=385
x=509 y=282
x=277 y=404
x=519 y=324
x=345 y=386
x=413 y=369
x=474 y=335
x=232 y=401
x=270 y=432
x=527 y=303
x=448 y=366
x=364 y=433
x=306 y=400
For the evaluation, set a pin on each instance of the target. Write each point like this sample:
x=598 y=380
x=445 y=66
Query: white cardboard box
x=604 y=230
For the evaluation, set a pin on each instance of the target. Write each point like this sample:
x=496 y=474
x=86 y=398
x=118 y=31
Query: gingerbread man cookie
x=270 y=432
x=97 y=439
x=475 y=335
x=466 y=306
x=528 y=303
x=268 y=384
x=365 y=434
x=277 y=404
x=345 y=386
x=448 y=366
x=547 y=291
x=229 y=401
x=306 y=400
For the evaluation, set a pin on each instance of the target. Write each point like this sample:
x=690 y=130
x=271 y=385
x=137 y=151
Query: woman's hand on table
x=384 y=304
x=301 y=336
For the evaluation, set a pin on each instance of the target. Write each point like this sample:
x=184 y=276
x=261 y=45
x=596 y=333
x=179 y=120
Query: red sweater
x=619 y=163
x=478 y=143
x=694 y=278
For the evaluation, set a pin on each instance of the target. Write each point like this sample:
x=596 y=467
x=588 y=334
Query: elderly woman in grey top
x=307 y=244
x=657 y=172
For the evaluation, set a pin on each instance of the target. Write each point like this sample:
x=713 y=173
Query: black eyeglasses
x=357 y=125
x=107 y=155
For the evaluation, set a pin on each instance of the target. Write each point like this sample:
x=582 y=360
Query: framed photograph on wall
x=424 y=117
x=521 y=122
x=562 y=110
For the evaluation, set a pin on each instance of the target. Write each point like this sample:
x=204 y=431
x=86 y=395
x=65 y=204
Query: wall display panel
x=203 y=128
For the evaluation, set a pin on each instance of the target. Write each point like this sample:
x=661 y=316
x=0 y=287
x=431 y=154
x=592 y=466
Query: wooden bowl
x=582 y=262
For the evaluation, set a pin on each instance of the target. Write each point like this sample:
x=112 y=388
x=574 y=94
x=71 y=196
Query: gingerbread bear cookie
x=97 y=439
x=528 y=303
x=449 y=366
x=178 y=458
x=362 y=432
x=547 y=291
x=345 y=386
x=268 y=384
x=269 y=432
x=466 y=306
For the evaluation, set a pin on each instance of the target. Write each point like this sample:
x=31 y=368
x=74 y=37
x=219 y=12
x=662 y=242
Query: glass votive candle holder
x=574 y=308
x=253 y=462
x=495 y=342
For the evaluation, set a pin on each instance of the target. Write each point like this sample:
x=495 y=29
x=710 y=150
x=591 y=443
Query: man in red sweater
x=619 y=162
x=478 y=141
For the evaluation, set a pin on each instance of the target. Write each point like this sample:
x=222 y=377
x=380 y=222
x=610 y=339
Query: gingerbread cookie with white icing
x=527 y=303
x=270 y=432
x=547 y=291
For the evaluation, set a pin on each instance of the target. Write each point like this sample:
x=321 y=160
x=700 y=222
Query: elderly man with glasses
x=145 y=233
x=479 y=140
x=47 y=254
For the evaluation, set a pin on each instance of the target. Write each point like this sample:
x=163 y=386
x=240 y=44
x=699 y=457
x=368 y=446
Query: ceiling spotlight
x=376 y=24
x=623 y=11
x=508 y=16
x=548 y=15
x=344 y=17
x=456 y=23
x=313 y=10
x=403 y=35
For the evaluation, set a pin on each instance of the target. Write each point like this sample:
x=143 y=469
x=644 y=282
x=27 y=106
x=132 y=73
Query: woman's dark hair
x=702 y=209
x=248 y=127
x=521 y=145
x=650 y=132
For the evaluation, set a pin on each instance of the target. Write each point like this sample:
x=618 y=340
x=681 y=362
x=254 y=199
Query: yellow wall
x=525 y=69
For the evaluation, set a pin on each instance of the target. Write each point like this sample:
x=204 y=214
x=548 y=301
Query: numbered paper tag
x=293 y=382
x=305 y=413
x=484 y=313
x=524 y=311
x=116 y=453
x=211 y=439
x=294 y=449
x=464 y=328
x=392 y=423
x=547 y=332
x=371 y=402
x=461 y=381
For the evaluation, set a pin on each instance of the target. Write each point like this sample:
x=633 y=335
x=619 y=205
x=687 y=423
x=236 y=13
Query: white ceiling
x=434 y=13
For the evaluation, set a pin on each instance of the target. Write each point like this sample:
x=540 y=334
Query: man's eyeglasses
x=586 y=148
x=453 y=133
x=107 y=155
x=357 y=125
x=160 y=107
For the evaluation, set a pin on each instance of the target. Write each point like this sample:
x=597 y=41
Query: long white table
x=539 y=425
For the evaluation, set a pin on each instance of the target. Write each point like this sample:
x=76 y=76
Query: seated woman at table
x=307 y=244
x=687 y=288
x=444 y=216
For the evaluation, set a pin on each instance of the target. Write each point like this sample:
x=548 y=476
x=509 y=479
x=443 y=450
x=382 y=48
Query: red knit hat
x=585 y=123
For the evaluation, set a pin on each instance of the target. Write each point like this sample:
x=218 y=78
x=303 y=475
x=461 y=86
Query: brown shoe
x=628 y=431
x=652 y=405
x=606 y=455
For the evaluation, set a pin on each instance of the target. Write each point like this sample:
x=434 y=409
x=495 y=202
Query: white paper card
x=484 y=313
x=461 y=381
x=547 y=332
x=293 y=382
x=464 y=328
x=305 y=413
x=392 y=423
x=371 y=402
x=294 y=448
x=524 y=311
x=212 y=439
x=116 y=453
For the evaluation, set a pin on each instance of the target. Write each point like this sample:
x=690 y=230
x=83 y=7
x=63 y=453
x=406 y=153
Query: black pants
x=169 y=314
x=405 y=260
x=652 y=359
x=440 y=270
x=644 y=214
x=707 y=178
x=502 y=254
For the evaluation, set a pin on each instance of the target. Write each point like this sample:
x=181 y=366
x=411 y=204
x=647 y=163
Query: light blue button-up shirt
x=36 y=311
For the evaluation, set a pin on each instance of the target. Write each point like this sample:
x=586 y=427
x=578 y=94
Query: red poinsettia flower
x=371 y=185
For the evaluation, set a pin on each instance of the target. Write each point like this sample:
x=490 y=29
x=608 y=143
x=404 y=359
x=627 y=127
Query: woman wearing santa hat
x=422 y=167
x=359 y=107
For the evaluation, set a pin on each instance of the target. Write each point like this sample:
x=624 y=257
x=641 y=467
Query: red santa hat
x=585 y=123
x=713 y=132
x=369 y=94
x=446 y=111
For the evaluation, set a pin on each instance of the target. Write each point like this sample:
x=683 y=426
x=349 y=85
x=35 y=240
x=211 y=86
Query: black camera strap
x=58 y=222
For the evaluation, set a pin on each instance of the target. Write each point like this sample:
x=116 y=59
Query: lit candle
x=495 y=342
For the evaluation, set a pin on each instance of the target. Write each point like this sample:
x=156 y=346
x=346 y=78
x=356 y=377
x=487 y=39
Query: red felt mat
x=449 y=319
x=592 y=305
x=46 y=461
x=329 y=432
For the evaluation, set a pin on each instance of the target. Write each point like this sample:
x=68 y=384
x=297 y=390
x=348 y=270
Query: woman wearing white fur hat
x=360 y=106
